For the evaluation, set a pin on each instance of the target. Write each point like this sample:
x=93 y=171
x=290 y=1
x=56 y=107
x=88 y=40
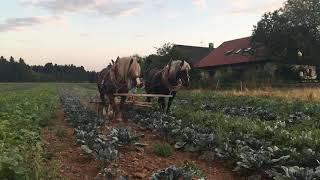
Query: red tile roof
x=221 y=57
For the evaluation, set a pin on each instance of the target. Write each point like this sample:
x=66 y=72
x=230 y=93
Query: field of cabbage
x=273 y=136
x=24 y=109
x=277 y=137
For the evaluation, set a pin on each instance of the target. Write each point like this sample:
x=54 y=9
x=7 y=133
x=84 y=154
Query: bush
x=162 y=149
x=191 y=169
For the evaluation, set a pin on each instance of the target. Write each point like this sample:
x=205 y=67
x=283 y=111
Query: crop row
x=87 y=124
x=268 y=109
x=21 y=116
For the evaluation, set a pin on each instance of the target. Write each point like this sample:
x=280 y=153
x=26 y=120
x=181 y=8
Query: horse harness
x=113 y=78
x=165 y=81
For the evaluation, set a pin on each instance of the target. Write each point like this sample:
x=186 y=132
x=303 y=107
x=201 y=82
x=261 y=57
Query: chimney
x=211 y=46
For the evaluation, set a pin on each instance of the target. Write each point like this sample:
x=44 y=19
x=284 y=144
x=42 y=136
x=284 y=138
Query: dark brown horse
x=167 y=81
x=118 y=77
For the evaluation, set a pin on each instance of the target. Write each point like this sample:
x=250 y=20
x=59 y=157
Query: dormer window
x=248 y=49
x=228 y=52
x=237 y=52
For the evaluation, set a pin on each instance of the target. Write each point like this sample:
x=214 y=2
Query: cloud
x=104 y=7
x=13 y=24
x=202 y=4
x=253 y=6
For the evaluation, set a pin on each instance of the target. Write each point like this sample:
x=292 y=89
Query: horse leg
x=102 y=105
x=170 y=101
x=119 y=115
x=161 y=102
x=102 y=94
x=113 y=105
x=109 y=111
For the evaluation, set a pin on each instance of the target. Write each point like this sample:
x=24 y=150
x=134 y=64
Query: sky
x=92 y=32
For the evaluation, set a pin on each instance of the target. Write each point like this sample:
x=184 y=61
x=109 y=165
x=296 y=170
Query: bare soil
x=74 y=163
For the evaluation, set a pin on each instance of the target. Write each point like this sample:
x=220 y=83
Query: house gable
x=230 y=53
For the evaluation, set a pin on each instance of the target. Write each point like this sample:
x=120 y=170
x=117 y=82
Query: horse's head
x=179 y=71
x=134 y=73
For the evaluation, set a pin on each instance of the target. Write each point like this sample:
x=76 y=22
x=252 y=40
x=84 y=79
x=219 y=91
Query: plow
x=132 y=100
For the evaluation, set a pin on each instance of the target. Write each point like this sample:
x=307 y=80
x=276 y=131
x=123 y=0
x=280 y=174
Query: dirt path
x=60 y=145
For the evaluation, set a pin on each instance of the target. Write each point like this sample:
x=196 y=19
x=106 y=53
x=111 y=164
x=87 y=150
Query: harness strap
x=113 y=76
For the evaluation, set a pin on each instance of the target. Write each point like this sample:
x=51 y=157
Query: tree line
x=18 y=71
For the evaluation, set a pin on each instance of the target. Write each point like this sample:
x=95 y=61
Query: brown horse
x=167 y=81
x=118 y=77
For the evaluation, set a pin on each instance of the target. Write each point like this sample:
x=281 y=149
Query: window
x=237 y=52
x=228 y=52
x=248 y=49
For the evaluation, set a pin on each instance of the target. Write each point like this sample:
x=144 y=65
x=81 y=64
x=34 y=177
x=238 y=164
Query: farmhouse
x=193 y=54
x=239 y=57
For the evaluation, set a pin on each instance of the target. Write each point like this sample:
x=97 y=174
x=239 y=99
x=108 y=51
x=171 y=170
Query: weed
x=191 y=169
x=162 y=149
x=60 y=133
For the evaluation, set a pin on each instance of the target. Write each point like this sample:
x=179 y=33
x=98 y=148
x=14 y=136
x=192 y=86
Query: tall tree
x=291 y=32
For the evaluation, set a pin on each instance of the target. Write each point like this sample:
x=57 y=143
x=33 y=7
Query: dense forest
x=18 y=71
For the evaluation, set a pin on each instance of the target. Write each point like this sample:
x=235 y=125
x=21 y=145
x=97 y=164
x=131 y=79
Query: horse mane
x=175 y=66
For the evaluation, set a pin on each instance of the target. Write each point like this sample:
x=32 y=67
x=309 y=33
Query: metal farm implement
x=132 y=100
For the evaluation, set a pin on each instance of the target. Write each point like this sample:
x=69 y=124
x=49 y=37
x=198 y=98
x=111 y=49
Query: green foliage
x=191 y=169
x=165 y=50
x=21 y=114
x=281 y=122
x=289 y=30
x=162 y=149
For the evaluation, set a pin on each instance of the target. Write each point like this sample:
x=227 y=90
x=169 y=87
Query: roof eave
x=233 y=64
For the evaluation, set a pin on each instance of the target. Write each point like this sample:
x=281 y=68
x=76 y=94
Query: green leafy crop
x=22 y=113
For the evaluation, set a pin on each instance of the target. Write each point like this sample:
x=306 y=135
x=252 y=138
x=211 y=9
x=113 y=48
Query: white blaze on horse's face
x=138 y=81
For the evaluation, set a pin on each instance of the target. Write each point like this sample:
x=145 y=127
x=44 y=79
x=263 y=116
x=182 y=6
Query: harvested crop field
x=207 y=135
